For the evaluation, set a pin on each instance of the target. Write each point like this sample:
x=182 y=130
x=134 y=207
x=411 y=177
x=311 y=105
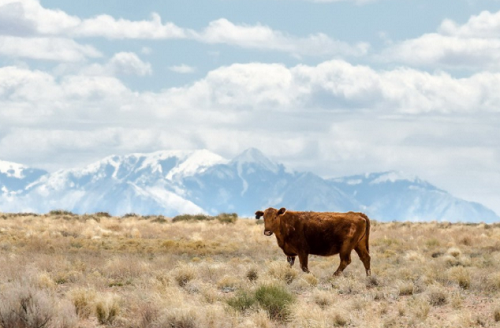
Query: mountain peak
x=255 y=156
x=391 y=176
x=12 y=169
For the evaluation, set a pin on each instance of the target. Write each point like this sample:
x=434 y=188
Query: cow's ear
x=282 y=211
x=259 y=214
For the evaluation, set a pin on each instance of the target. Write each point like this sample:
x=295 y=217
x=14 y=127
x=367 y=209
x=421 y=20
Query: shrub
x=159 y=219
x=25 y=307
x=228 y=283
x=102 y=214
x=107 y=310
x=227 y=217
x=405 y=288
x=184 y=274
x=437 y=296
x=242 y=301
x=323 y=298
x=83 y=300
x=461 y=276
x=252 y=274
x=496 y=314
x=178 y=319
x=276 y=300
x=190 y=217
x=60 y=212
x=282 y=271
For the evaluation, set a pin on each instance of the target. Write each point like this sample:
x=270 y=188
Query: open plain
x=66 y=270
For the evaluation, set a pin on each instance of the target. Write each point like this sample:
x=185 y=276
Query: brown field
x=87 y=271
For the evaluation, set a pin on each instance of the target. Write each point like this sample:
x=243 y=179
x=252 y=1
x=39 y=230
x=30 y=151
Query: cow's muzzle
x=268 y=232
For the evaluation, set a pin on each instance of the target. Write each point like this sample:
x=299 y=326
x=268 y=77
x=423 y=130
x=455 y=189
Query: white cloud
x=338 y=85
x=333 y=115
x=486 y=25
x=264 y=38
x=474 y=45
x=122 y=63
x=128 y=63
x=109 y=27
x=28 y=17
x=56 y=49
x=183 y=69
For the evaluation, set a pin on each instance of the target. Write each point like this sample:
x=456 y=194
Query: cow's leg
x=290 y=260
x=345 y=259
x=303 y=258
x=365 y=258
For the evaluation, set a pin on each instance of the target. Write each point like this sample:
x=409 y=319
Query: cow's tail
x=367 y=232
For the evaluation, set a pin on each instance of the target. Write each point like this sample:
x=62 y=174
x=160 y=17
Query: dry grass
x=66 y=270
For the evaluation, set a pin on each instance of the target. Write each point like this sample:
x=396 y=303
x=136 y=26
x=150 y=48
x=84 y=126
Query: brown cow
x=319 y=233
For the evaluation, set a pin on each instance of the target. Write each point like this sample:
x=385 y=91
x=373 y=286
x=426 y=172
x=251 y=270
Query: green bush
x=130 y=215
x=60 y=212
x=191 y=217
x=242 y=301
x=227 y=217
x=275 y=300
x=103 y=214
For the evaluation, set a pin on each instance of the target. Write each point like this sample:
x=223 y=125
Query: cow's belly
x=324 y=248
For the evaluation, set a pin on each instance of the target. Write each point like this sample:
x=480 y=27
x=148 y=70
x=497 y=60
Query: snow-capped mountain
x=140 y=183
x=16 y=177
x=175 y=182
x=396 y=196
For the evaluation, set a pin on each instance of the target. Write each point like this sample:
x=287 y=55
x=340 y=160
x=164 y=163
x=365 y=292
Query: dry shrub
x=493 y=282
x=107 y=309
x=372 y=281
x=149 y=315
x=405 y=287
x=66 y=317
x=45 y=281
x=340 y=319
x=228 y=283
x=183 y=274
x=84 y=301
x=348 y=285
x=461 y=276
x=437 y=296
x=310 y=279
x=178 y=318
x=454 y=251
x=282 y=271
x=305 y=315
x=23 y=306
x=323 y=298
x=252 y=274
x=419 y=308
x=496 y=314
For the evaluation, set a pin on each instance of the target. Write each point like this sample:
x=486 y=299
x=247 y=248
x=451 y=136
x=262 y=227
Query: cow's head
x=271 y=219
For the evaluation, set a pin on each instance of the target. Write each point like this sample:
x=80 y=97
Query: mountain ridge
x=199 y=181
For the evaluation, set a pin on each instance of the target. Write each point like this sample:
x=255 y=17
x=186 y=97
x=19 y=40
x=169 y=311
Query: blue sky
x=334 y=87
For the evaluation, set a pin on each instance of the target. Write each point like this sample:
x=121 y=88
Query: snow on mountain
x=176 y=182
x=12 y=170
x=254 y=157
x=142 y=183
x=15 y=177
x=397 y=196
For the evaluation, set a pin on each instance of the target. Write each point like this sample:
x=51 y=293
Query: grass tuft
x=276 y=300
